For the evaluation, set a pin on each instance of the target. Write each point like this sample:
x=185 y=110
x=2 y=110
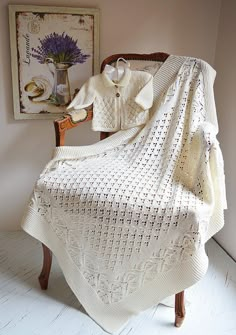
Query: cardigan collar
x=124 y=81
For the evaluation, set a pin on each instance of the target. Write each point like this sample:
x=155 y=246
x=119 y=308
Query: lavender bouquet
x=60 y=48
x=61 y=51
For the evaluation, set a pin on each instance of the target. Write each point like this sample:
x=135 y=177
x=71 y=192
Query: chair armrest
x=70 y=120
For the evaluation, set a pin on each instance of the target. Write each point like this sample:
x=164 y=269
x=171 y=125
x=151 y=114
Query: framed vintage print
x=54 y=50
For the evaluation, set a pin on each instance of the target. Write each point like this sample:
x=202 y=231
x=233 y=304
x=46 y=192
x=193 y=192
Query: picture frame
x=54 y=50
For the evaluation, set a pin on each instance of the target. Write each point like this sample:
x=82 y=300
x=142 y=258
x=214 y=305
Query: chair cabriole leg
x=47 y=262
x=179 y=309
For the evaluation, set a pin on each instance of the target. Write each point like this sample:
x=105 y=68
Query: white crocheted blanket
x=127 y=218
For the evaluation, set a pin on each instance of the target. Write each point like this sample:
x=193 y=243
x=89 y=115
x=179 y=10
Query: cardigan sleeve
x=145 y=96
x=85 y=96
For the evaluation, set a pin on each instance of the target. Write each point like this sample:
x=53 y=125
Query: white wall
x=186 y=27
x=225 y=93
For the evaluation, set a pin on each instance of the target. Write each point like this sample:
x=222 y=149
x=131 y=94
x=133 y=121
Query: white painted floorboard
x=26 y=310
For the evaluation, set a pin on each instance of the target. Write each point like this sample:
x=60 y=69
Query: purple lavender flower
x=60 y=48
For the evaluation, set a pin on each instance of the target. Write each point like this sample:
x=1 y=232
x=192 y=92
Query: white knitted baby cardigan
x=128 y=217
x=117 y=105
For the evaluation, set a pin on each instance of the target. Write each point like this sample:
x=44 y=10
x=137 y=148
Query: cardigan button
x=118 y=95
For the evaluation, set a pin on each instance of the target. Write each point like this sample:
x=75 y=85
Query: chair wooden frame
x=66 y=123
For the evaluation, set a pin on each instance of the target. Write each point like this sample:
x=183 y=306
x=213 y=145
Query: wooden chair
x=66 y=123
